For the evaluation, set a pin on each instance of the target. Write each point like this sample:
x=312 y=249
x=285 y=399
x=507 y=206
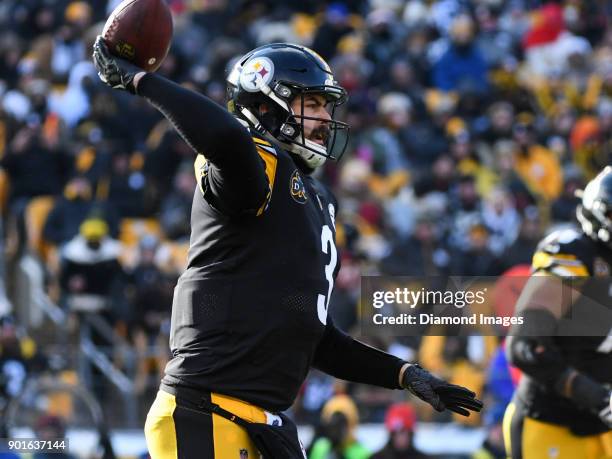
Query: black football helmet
x=275 y=75
x=595 y=211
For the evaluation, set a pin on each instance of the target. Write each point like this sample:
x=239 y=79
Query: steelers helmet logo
x=256 y=73
x=296 y=188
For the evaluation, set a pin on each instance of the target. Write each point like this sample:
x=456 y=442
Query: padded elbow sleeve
x=530 y=347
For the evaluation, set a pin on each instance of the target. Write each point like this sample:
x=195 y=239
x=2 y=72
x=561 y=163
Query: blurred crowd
x=472 y=125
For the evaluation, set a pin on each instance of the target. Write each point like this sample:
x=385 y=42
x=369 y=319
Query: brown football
x=140 y=31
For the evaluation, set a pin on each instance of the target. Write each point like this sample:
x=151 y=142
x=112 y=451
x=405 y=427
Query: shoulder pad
x=565 y=253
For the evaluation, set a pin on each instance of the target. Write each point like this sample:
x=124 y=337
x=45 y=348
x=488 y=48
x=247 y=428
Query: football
x=140 y=31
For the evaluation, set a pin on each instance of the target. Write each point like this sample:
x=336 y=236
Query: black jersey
x=249 y=315
x=251 y=307
x=573 y=255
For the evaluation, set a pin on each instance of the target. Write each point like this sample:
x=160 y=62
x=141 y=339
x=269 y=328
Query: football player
x=250 y=312
x=561 y=408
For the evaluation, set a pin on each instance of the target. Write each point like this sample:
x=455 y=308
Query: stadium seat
x=60 y=403
x=131 y=230
x=178 y=255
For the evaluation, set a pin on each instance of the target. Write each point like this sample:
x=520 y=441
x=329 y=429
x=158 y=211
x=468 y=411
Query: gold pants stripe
x=176 y=430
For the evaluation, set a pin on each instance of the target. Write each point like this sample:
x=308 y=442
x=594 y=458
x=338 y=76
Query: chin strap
x=313 y=159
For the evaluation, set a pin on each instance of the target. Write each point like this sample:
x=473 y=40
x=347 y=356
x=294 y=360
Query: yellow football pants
x=527 y=438
x=180 y=431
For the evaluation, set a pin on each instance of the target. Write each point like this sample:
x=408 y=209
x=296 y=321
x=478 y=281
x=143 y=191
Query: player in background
x=561 y=408
x=250 y=312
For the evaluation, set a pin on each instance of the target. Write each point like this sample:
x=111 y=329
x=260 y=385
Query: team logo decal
x=273 y=420
x=256 y=73
x=244 y=454
x=296 y=188
x=332 y=214
x=125 y=50
x=601 y=268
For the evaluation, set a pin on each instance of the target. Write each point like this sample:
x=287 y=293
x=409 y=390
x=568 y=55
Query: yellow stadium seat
x=133 y=229
x=60 y=403
x=178 y=255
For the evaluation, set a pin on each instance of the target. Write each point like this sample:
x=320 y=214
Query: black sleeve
x=530 y=348
x=236 y=175
x=344 y=357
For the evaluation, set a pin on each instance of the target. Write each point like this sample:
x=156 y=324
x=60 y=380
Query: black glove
x=588 y=394
x=114 y=71
x=438 y=393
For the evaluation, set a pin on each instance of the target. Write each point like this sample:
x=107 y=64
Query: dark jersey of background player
x=249 y=316
x=583 y=342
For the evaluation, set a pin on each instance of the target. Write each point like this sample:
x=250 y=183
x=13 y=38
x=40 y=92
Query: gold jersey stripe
x=271 y=162
x=562 y=265
x=261 y=142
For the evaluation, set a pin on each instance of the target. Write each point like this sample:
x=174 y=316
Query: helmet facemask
x=292 y=130
x=279 y=123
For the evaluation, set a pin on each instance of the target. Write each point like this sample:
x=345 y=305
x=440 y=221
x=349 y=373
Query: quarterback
x=250 y=312
x=561 y=408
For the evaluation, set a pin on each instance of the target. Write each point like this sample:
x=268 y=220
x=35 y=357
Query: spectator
x=587 y=142
x=336 y=25
x=127 y=189
x=523 y=248
x=400 y=422
x=90 y=273
x=175 y=214
x=462 y=67
x=72 y=105
x=385 y=140
x=475 y=258
x=35 y=168
x=73 y=208
x=339 y=418
x=422 y=254
x=319 y=388
x=535 y=164
x=466 y=205
x=502 y=220
x=501 y=119
x=563 y=209
x=402 y=80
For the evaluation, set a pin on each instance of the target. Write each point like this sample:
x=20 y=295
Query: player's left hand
x=438 y=393
x=114 y=71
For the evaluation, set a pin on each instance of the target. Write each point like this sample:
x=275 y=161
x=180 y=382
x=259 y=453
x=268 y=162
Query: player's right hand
x=438 y=393
x=114 y=71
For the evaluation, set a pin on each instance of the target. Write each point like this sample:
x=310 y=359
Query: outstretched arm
x=346 y=358
x=234 y=177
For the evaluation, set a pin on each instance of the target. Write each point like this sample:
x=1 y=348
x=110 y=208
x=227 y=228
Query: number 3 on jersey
x=328 y=247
